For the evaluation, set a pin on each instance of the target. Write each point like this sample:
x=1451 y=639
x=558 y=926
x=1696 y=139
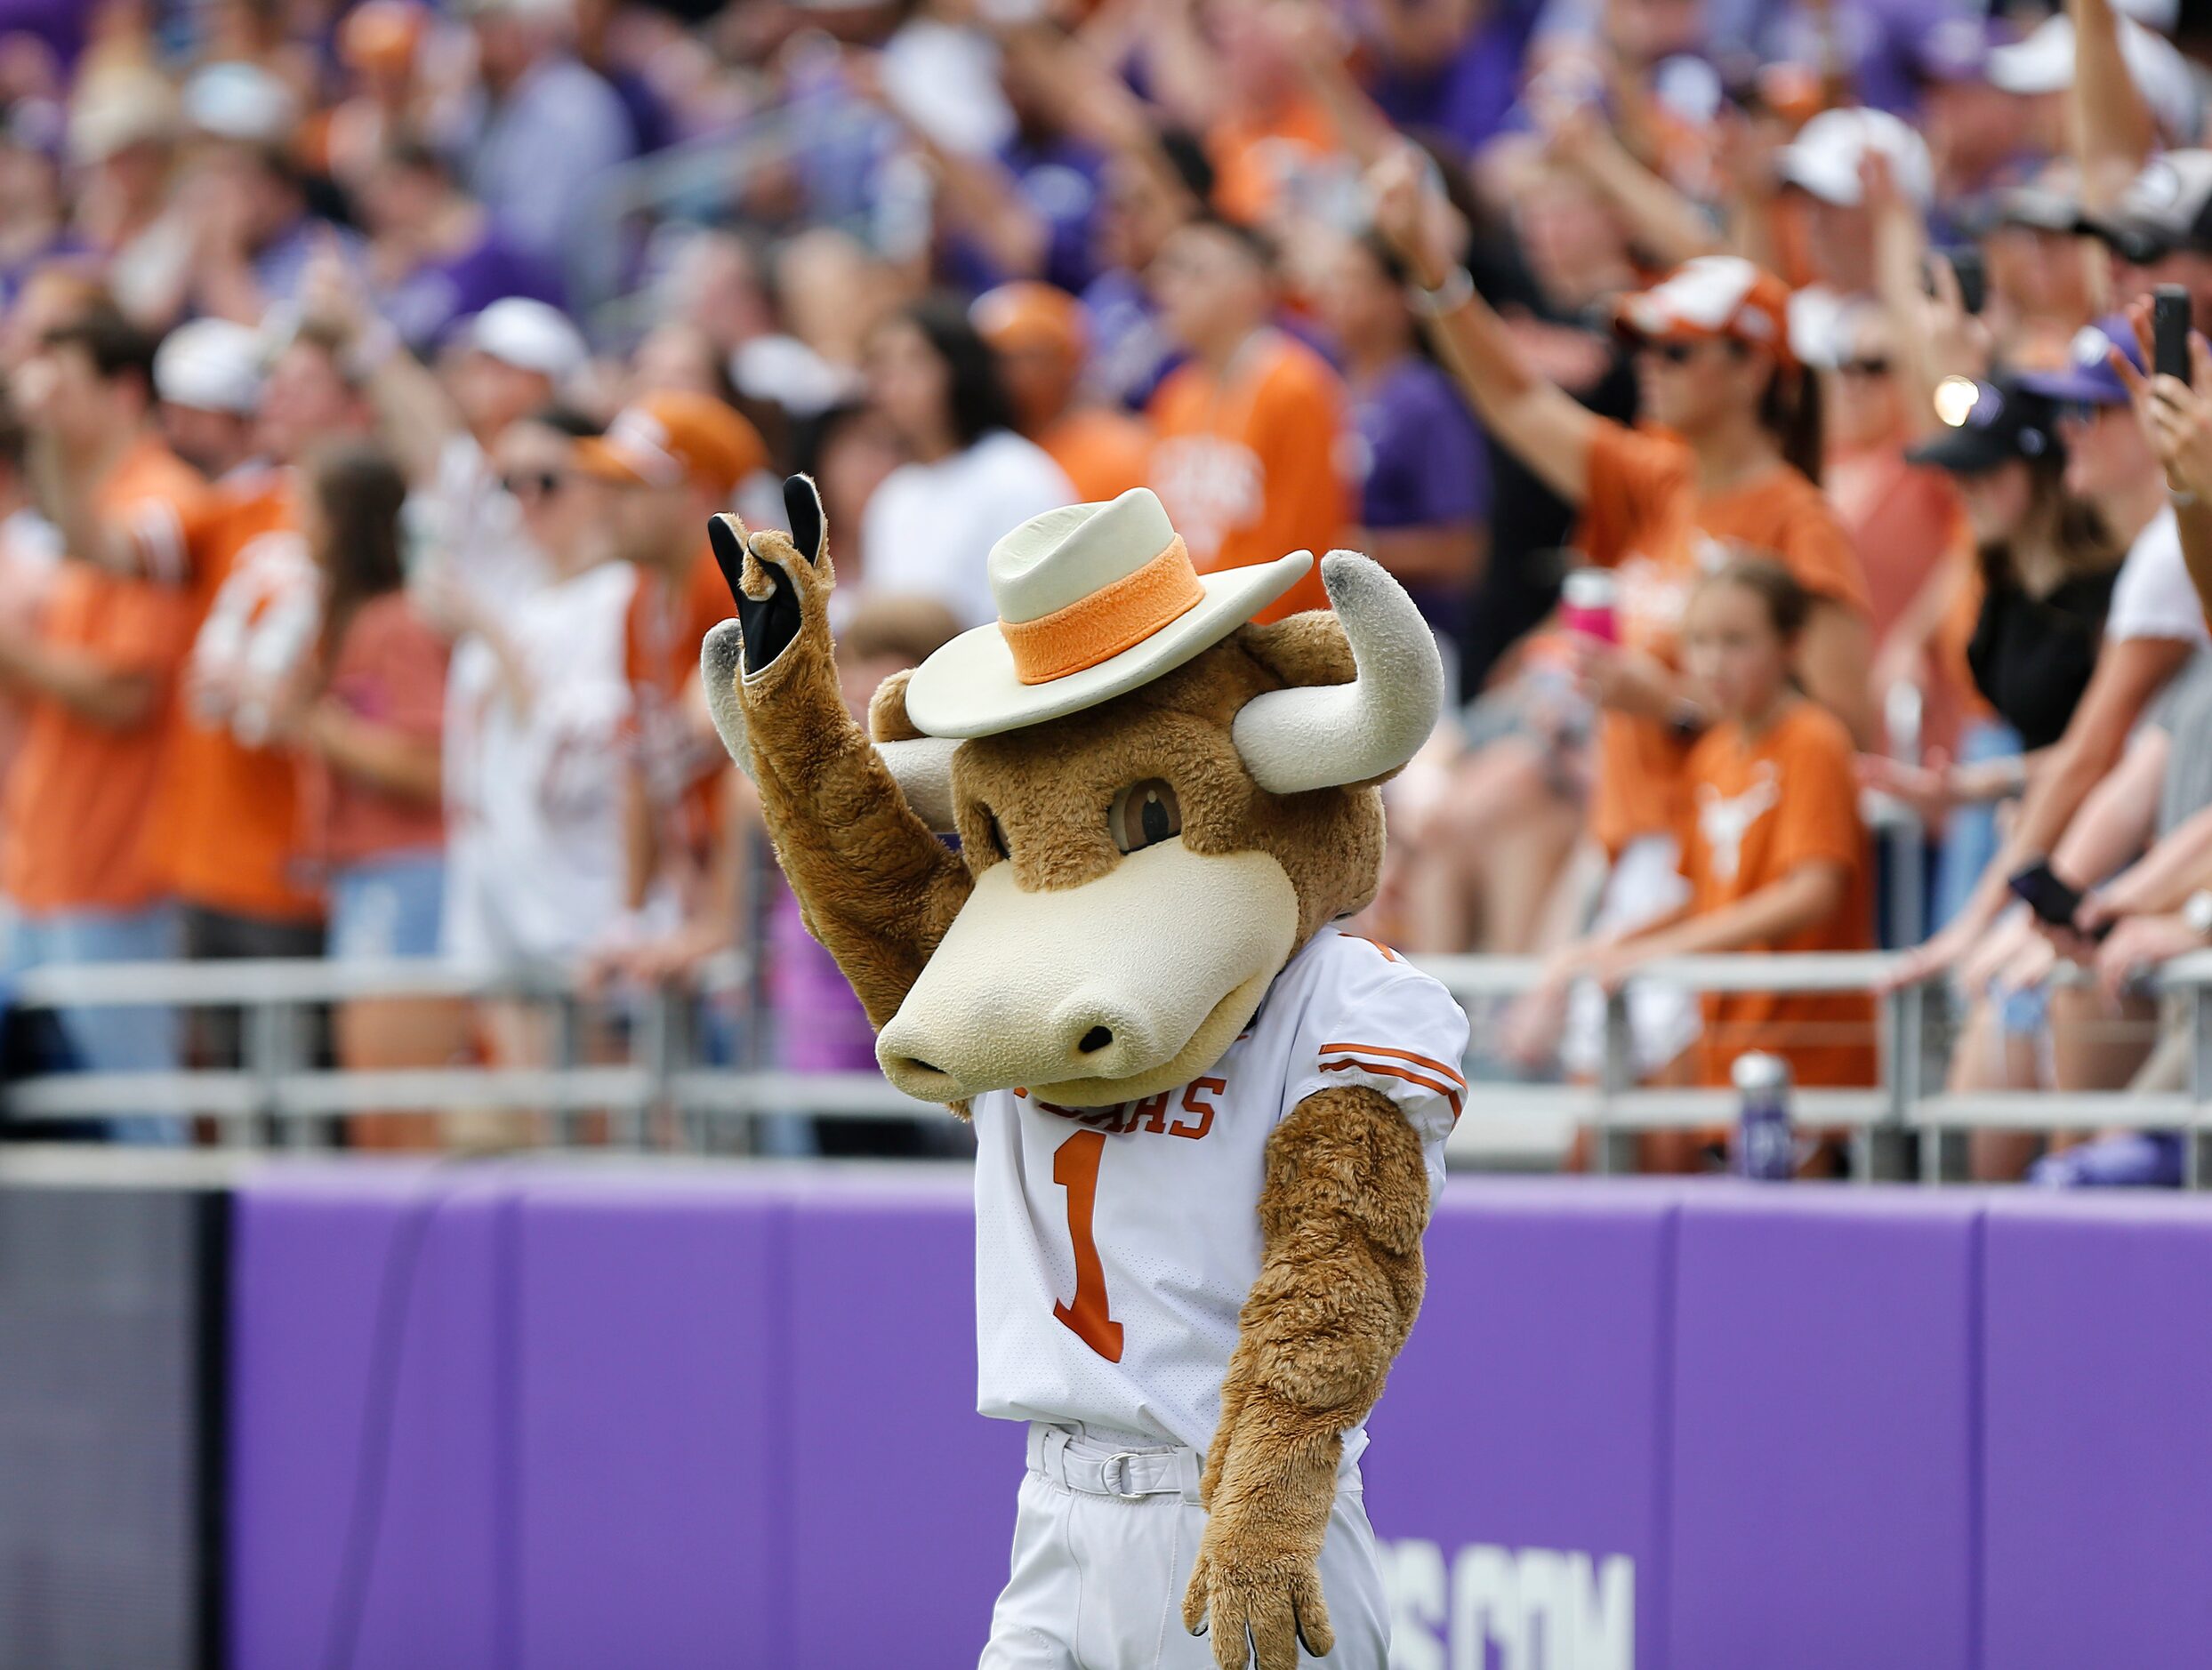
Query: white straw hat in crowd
x=1093 y=601
x=211 y=366
x=529 y=335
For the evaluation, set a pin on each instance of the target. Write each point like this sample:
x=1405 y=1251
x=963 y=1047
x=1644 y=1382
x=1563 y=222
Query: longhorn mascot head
x=1157 y=800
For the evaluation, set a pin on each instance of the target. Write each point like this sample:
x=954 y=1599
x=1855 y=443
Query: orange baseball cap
x=673 y=435
x=1712 y=296
x=1026 y=314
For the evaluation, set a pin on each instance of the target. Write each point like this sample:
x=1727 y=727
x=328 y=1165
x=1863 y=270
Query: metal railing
x=278 y=1093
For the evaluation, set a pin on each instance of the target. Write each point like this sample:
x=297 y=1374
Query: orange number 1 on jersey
x=1075 y=1169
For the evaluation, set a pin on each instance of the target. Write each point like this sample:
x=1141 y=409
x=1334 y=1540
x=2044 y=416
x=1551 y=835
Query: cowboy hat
x=1093 y=600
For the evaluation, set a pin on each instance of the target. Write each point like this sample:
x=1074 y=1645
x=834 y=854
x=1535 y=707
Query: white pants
x=1103 y=1549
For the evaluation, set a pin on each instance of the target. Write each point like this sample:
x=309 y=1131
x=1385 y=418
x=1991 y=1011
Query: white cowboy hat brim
x=969 y=688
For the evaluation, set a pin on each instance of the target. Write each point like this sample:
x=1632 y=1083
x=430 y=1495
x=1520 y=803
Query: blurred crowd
x=1761 y=399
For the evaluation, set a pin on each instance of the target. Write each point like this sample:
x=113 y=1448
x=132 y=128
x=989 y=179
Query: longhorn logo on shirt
x=1211 y=487
x=1724 y=820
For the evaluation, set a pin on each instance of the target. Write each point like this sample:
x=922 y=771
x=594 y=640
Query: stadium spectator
x=535 y=766
x=246 y=195
x=1716 y=368
x=1773 y=856
x=968 y=476
x=539 y=131
x=1038 y=333
x=365 y=720
x=669 y=462
x=1252 y=427
x=1423 y=475
x=2153 y=625
x=86 y=882
x=434 y=257
x=124 y=120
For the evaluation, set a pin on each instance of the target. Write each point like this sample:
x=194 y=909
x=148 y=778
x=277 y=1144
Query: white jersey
x=535 y=851
x=1115 y=1247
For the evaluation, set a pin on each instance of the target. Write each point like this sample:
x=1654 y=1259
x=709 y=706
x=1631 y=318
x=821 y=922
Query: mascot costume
x=1208 y=1125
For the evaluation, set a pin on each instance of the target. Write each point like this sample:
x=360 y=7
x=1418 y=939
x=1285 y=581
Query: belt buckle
x=1113 y=1473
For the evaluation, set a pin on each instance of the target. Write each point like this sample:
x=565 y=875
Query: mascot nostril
x=1194 y=1266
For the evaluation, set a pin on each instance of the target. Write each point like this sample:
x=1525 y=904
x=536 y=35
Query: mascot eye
x=1144 y=814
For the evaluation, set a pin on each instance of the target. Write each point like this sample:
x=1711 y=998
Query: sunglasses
x=1870 y=365
x=534 y=484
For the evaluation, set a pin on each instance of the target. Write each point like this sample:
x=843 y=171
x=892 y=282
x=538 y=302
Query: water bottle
x=1586 y=602
x=1766 y=1149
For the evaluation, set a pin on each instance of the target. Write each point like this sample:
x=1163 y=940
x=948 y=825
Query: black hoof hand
x=767 y=625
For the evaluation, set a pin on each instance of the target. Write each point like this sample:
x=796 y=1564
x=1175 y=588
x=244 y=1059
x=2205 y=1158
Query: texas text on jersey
x=1108 y=1277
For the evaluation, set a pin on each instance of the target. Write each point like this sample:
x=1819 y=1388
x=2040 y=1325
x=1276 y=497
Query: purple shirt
x=820 y=1026
x=1421 y=464
x=424 y=305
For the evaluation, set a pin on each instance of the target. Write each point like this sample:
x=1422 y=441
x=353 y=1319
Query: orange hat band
x=1118 y=616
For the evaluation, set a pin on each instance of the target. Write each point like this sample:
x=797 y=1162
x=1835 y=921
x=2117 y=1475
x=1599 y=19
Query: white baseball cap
x=240 y=101
x=529 y=335
x=211 y=366
x=1824 y=157
x=2045 y=63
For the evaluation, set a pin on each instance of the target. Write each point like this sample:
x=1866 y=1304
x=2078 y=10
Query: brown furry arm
x=1342 y=1211
x=875 y=886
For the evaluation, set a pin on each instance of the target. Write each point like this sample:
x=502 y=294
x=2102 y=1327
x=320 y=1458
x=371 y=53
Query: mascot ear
x=768 y=624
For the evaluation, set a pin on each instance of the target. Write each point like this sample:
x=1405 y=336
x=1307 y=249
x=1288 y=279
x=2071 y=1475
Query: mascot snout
x=1125 y=986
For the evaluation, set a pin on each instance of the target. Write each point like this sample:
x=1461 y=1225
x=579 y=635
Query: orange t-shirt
x=1102 y=454
x=78 y=794
x=1249 y=467
x=1757 y=808
x=681 y=769
x=228 y=830
x=1647 y=521
x=388 y=670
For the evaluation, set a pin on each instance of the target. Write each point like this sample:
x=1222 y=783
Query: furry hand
x=1257 y=1585
x=781 y=584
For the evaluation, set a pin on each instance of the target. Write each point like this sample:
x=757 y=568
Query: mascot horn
x=1208 y=1125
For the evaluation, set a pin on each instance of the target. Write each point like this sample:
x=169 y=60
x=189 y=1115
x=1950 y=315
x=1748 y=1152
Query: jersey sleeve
x=1374 y=1020
x=1633 y=477
x=1816 y=550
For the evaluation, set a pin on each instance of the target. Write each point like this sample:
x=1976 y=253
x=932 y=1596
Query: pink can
x=1586 y=605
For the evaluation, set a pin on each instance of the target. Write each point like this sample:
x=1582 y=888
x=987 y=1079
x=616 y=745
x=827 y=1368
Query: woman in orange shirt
x=1774 y=854
x=1736 y=471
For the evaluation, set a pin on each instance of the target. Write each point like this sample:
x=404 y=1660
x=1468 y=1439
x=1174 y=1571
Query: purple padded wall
x=313 y=1255
x=1824 y=1405
x=2098 y=1494
x=649 y=1411
x=902 y=1500
x=1527 y=1412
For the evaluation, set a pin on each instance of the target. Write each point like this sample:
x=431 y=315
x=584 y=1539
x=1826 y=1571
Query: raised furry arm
x=875 y=886
x=1341 y=1212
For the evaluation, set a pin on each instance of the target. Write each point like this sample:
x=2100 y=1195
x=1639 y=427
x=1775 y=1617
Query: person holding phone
x=2173 y=405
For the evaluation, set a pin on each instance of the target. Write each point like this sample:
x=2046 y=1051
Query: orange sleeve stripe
x=1396 y=1055
x=1443 y=1090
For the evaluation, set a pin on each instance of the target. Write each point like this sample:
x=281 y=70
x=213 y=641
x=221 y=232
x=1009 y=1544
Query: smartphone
x=2051 y=899
x=2169 y=331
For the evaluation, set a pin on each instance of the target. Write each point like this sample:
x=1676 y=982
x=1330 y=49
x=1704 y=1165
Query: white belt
x=1076 y=1463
